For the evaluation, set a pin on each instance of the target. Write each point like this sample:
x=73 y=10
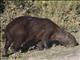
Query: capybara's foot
x=6 y=55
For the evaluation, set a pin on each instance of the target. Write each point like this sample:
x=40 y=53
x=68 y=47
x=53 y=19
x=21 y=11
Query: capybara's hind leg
x=17 y=44
x=7 y=45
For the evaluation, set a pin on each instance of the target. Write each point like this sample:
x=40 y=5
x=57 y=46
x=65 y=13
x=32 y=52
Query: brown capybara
x=35 y=31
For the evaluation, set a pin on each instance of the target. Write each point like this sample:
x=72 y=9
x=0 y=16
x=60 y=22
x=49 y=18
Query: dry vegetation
x=64 y=13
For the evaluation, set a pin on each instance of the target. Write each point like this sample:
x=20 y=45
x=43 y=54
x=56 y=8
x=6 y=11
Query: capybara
x=35 y=31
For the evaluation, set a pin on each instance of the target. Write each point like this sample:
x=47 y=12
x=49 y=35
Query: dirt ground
x=54 y=53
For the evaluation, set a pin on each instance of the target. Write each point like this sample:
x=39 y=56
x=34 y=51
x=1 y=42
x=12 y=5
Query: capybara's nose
x=77 y=44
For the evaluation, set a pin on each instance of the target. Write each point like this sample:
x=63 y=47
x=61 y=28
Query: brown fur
x=35 y=31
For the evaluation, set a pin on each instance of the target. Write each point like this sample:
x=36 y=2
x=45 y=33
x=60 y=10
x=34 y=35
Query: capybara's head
x=65 y=39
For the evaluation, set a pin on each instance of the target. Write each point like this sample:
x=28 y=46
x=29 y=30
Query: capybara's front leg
x=40 y=46
x=45 y=39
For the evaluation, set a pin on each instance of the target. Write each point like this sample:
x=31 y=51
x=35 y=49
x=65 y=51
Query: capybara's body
x=33 y=30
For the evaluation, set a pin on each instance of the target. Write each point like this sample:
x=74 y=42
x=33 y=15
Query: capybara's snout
x=77 y=44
